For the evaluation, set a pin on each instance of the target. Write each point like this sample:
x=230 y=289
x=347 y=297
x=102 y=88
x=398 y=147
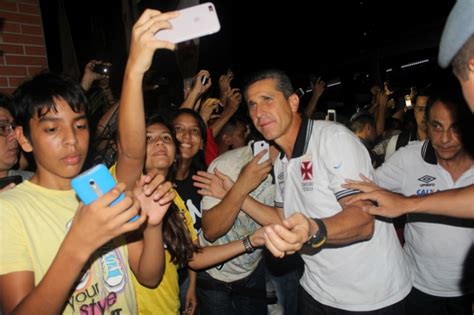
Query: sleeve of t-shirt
x=391 y=174
x=190 y=226
x=278 y=186
x=211 y=151
x=345 y=157
x=14 y=255
x=178 y=201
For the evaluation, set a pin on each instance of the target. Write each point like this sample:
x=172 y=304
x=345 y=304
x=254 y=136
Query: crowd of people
x=363 y=218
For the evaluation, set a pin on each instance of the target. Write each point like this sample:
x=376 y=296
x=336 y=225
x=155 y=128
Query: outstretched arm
x=455 y=202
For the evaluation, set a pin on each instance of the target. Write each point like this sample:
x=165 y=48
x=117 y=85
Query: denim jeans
x=241 y=297
x=286 y=289
x=285 y=275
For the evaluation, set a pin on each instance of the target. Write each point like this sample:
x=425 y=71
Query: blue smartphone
x=94 y=183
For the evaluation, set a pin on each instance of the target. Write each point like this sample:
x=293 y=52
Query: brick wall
x=22 y=45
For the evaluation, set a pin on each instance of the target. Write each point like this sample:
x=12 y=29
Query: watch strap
x=320 y=238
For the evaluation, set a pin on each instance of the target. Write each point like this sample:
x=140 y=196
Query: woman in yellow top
x=154 y=141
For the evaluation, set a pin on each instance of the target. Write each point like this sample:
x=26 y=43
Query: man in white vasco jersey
x=437 y=247
x=353 y=262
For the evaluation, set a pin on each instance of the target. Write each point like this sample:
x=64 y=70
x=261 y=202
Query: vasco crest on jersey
x=306 y=169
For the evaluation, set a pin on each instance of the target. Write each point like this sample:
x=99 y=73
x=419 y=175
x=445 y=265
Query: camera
x=102 y=68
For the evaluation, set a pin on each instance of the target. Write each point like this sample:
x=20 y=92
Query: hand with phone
x=259 y=146
x=99 y=222
x=143 y=43
x=94 y=183
x=94 y=71
x=255 y=171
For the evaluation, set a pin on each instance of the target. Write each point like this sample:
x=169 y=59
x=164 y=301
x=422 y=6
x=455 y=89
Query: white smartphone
x=331 y=115
x=259 y=146
x=192 y=22
x=408 y=103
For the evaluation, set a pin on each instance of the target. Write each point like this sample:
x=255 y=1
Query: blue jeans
x=285 y=276
x=241 y=297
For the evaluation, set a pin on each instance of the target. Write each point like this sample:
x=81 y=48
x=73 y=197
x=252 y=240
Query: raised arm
x=318 y=89
x=131 y=140
x=197 y=90
x=233 y=101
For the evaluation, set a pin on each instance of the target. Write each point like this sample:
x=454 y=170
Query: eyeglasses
x=164 y=137
x=6 y=129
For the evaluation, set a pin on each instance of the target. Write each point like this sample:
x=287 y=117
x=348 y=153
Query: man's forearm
x=218 y=220
x=346 y=227
x=456 y=202
x=261 y=213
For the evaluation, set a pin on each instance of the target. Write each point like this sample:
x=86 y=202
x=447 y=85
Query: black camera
x=102 y=68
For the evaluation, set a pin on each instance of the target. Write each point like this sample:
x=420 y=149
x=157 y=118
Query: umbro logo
x=426 y=179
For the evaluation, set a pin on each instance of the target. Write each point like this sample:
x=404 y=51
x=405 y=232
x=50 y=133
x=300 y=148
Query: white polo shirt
x=363 y=276
x=436 y=247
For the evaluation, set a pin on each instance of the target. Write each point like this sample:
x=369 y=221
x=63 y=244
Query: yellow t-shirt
x=164 y=299
x=33 y=223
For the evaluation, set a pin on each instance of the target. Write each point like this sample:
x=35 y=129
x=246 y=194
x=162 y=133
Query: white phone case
x=192 y=22
x=259 y=146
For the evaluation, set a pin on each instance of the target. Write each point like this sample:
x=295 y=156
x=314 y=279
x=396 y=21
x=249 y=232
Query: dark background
x=352 y=41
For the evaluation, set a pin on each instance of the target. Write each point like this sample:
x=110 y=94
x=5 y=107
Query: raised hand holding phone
x=192 y=22
x=95 y=183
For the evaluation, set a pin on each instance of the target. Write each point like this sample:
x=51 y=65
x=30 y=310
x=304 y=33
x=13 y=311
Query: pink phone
x=192 y=22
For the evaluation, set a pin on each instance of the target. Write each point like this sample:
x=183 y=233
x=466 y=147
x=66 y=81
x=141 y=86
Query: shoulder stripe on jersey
x=347 y=192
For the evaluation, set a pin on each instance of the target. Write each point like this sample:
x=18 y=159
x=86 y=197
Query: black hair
x=36 y=97
x=229 y=127
x=198 y=162
x=175 y=232
x=358 y=122
x=461 y=115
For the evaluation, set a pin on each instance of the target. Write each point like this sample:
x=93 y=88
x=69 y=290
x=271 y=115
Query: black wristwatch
x=248 y=245
x=318 y=239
